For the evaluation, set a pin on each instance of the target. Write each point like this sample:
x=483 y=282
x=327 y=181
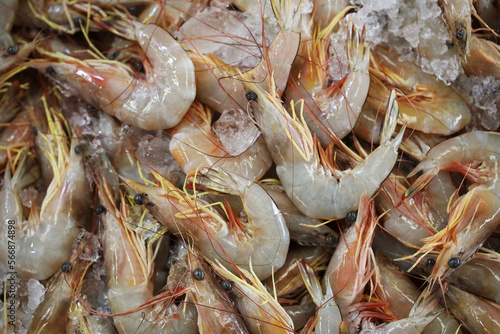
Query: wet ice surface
x=36 y=293
x=338 y=65
x=153 y=153
x=414 y=29
x=233 y=36
x=483 y=96
x=236 y=131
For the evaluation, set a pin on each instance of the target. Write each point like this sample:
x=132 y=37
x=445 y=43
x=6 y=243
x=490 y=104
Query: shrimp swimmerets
x=316 y=193
x=264 y=238
x=157 y=102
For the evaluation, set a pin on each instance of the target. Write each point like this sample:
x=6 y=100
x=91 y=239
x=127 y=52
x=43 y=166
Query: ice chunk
x=483 y=95
x=90 y=251
x=36 y=293
x=338 y=65
x=236 y=131
x=154 y=154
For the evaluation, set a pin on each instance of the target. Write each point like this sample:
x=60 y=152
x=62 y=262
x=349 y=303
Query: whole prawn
x=157 y=102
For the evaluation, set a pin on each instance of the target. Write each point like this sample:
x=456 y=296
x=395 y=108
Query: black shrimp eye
x=99 y=210
x=351 y=216
x=66 y=267
x=430 y=262
x=90 y=107
x=454 y=262
x=251 y=95
x=50 y=70
x=226 y=285
x=137 y=65
x=139 y=199
x=330 y=240
x=78 y=149
x=198 y=274
x=460 y=33
x=77 y=21
x=35 y=131
x=115 y=55
x=12 y=50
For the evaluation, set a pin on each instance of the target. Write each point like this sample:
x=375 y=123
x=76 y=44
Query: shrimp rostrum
x=315 y=192
x=262 y=241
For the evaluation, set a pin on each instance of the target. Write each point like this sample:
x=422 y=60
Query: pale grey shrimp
x=332 y=108
x=475 y=215
x=129 y=262
x=477 y=314
x=484 y=59
x=44 y=242
x=195 y=145
x=427 y=104
x=303 y=230
x=157 y=102
x=263 y=238
x=312 y=189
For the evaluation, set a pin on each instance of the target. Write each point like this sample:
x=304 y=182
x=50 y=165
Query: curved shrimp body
x=194 y=145
x=457 y=15
x=311 y=189
x=157 y=102
x=47 y=244
x=303 y=230
x=478 y=315
x=261 y=312
x=349 y=269
x=332 y=108
x=476 y=214
x=484 y=59
x=264 y=239
x=216 y=312
x=329 y=315
x=428 y=105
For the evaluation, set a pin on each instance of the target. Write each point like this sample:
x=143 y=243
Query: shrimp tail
x=390 y=122
x=358 y=52
x=421 y=182
x=223 y=181
x=311 y=281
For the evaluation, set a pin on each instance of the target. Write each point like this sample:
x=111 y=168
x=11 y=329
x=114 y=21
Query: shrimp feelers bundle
x=242 y=166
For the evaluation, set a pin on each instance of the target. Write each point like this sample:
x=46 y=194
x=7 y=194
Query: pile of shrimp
x=231 y=167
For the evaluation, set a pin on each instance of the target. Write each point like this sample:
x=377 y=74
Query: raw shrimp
x=51 y=316
x=45 y=242
x=401 y=294
x=157 y=102
x=427 y=104
x=261 y=312
x=485 y=266
x=329 y=317
x=369 y=124
x=331 y=107
x=219 y=85
x=325 y=10
x=457 y=15
x=264 y=238
x=129 y=266
x=477 y=314
x=216 y=312
x=194 y=145
x=10 y=102
x=300 y=313
x=350 y=267
x=286 y=282
x=303 y=230
x=484 y=59
x=475 y=215
x=311 y=189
